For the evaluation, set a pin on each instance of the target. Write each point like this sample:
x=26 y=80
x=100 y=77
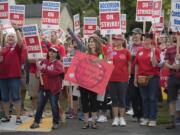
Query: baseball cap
x=137 y=30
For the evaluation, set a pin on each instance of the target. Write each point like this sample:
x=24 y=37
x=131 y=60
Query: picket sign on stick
x=144 y=28
x=178 y=44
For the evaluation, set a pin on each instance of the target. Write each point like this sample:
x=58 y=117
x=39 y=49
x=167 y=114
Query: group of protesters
x=135 y=77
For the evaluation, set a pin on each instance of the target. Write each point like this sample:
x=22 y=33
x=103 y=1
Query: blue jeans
x=10 y=87
x=149 y=96
x=43 y=98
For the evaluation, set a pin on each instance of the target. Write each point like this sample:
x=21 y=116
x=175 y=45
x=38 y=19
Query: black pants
x=136 y=99
x=88 y=100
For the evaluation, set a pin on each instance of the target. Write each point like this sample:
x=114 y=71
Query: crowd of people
x=134 y=82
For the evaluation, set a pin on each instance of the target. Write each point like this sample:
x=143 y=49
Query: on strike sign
x=4 y=11
x=156 y=12
x=110 y=17
x=50 y=15
x=17 y=14
x=144 y=10
x=90 y=25
x=76 y=19
x=123 y=23
x=85 y=73
x=158 y=27
x=32 y=41
x=175 y=15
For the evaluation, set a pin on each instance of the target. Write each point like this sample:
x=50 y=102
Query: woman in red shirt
x=10 y=73
x=147 y=68
x=89 y=98
x=119 y=79
x=51 y=68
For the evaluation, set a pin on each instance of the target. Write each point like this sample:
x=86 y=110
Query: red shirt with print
x=51 y=75
x=120 y=62
x=10 y=67
x=143 y=60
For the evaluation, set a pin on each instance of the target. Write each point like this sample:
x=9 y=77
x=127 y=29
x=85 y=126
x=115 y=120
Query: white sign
x=76 y=19
x=109 y=13
x=175 y=15
x=31 y=38
x=50 y=15
x=67 y=61
x=123 y=23
x=144 y=10
x=156 y=12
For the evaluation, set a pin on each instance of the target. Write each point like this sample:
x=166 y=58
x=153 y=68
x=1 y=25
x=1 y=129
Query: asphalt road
x=73 y=127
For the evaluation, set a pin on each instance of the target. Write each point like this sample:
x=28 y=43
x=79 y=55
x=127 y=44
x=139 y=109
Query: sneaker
x=5 y=119
x=152 y=123
x=122 y=121
x=18 y=121
x=144 y=122
x=102 y=119
x=115 y=122
x=34 y=125
x=55 y=126
x=130 y=112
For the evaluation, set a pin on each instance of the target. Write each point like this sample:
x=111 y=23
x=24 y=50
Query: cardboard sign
x=17 y=14
x=67 y=61
x=76 y=19
x=4 y=12
x=32 y=41
x=90 y=25
x=50 y=15
x=158 y=27
x=109 y=13
x=144 y=10
x=156 y=12
x=175 y=15
x=123 y=23
x=85 y=73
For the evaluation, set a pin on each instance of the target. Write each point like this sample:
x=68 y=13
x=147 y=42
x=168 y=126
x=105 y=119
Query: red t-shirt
x=120 y=61
x=11 y=64
x=143 y=60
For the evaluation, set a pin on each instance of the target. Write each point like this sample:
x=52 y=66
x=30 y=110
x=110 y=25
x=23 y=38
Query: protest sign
x=156 y=12
x=76 y=19
x=158 y=27
x=17 y=14
x=90 y=25
x=4 y=12
x=109 y=13
x=50 y=15
x=67 y=61
x=88 y=74
x=32 y=41
x=123 y=23
x=175 y=15
x=144 y=10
